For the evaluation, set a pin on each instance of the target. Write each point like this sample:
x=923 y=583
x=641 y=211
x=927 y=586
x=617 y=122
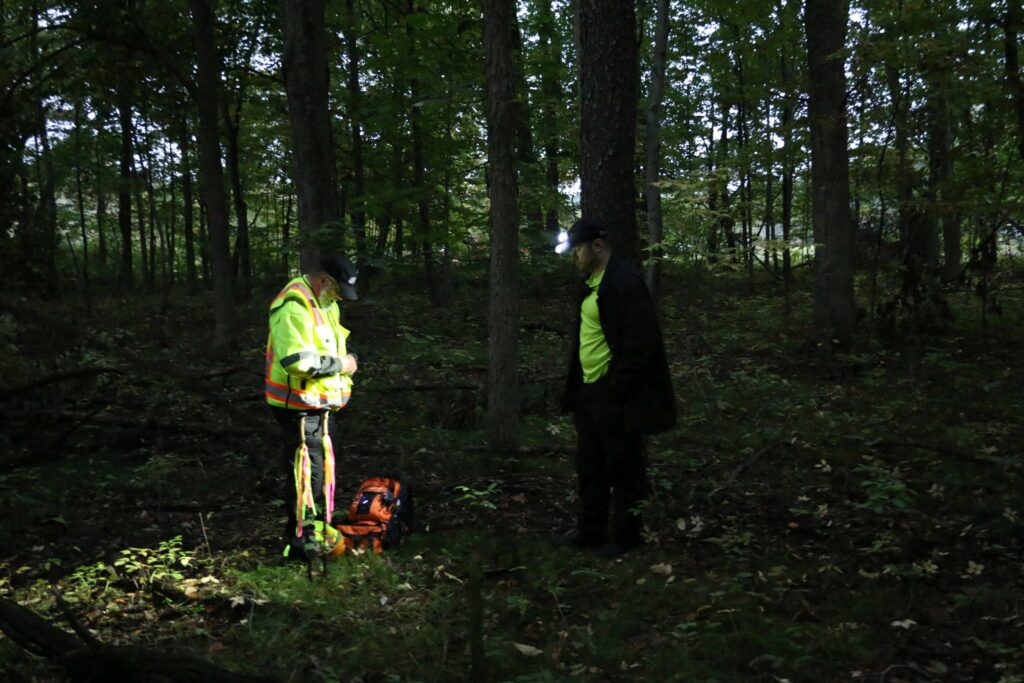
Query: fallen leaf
x=528 y=650
x=905 y=623
x=662 y=568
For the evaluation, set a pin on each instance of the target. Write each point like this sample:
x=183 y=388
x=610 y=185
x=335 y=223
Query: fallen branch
x=87 y=659
x=746 y=464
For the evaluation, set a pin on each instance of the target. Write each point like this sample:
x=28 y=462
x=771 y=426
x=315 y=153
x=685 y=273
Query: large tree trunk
x=608 y=96
x=358 y=210
x=652 y=194
x=306 y=78
x=212 y=174
x=503 y=314
x=826 y=22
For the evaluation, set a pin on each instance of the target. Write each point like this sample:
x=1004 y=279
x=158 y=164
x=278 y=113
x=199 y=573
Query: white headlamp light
x=563 y=242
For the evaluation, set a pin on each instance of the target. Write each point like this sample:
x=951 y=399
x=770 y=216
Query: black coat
x=638 y=376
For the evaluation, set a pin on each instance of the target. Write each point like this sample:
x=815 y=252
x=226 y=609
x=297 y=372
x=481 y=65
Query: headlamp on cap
x=563 y=243
x=582 y=231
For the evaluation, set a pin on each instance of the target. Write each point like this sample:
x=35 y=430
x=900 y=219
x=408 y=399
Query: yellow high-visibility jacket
x=301 y=332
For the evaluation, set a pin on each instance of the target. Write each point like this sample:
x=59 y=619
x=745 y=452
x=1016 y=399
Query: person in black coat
x=619 y=389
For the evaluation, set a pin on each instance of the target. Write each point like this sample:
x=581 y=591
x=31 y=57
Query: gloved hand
x=329 y=365
x=332 y=365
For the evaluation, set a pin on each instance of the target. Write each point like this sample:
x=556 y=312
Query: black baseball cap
x=582 y=231
x=344 y=272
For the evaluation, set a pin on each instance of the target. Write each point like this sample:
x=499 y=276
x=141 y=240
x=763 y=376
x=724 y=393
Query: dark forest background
x=825 y=198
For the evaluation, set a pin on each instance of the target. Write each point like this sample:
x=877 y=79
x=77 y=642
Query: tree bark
x=358 y=202
x=940 y=162
x=652 y=169
x=419 y=172
x=241 y=260
x=125 y=277
x=526 y=155
x=306 y=78
x=551 y=87
x=826 y=24
x=608 y=97
x=80 y=201
x=1012 y=27
x=503 y=314
x=212 y=174
x=187 y=207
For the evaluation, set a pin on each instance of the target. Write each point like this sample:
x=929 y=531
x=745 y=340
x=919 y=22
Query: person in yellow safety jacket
x=308 y=379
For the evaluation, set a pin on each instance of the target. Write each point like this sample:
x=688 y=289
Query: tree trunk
x=242 y=261
x=551 y=88
x=526 y=156
x=419 y=171
x=652 y=194
x=101 y=196
x=154 y=221
x=725 y=219
x=1012 y=27
x=80 y=201
x=397 y=166
x=187 y=208
x=826 y=22
x=903 y=181
x=608 y=96
x=306 y=78
x=940 y=162
x=172 y=226
x=138 y=180
x=358 y=203
x=125 y=277
x=286 y=234
x=212 y=174
x=503 y=314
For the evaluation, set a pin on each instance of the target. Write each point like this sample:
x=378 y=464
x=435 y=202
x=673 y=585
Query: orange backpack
x=380 y=509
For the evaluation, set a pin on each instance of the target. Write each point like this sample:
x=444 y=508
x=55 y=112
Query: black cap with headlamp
x=582 y=231
x=341 y=269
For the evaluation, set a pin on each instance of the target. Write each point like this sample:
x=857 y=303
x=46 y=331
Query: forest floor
x=867 y=526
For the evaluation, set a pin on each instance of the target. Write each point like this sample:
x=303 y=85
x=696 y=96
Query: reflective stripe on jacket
x=301 y=332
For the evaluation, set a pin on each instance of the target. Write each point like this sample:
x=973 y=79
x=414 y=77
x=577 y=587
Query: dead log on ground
x=98 y=662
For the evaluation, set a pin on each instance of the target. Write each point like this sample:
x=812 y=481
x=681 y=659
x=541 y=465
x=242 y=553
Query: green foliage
x=887 y=493
x=148 y=565
x=479 y=498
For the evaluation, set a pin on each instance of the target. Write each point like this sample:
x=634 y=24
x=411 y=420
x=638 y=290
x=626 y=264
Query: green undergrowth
x=803 y=526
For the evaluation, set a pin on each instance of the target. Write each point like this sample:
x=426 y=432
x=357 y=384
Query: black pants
x=313 y=423
x=611 y=464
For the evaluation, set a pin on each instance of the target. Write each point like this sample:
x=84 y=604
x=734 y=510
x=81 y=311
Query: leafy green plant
x=146 y=565
x=479 y=497
x=90 y=577
x=885 y=488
